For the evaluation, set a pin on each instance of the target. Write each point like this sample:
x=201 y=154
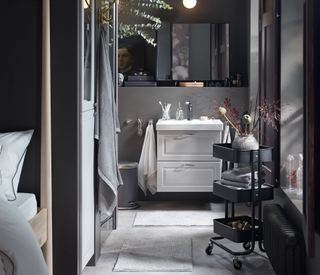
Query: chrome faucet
x=189 y=110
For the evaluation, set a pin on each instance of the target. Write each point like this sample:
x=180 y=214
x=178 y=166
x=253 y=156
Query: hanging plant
x=137 y=8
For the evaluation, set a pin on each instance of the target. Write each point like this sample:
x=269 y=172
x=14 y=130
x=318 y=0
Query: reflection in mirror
x=194 y=52
x=291 y=134
x=219 y=51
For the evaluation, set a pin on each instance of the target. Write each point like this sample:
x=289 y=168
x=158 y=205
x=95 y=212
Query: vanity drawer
x=187 y=145
x=187 y=176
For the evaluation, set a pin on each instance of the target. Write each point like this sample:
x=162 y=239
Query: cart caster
x=236 y=263
x=209 y=249
x=246 y=245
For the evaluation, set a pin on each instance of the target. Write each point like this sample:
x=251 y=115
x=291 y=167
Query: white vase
x=245 y=142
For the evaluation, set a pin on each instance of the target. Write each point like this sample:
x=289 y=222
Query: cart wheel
x=246 y=245
x=209 y=249
x=237 y=264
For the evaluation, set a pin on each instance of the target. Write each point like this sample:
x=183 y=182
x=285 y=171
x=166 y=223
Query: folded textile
x=235 y=183
x=239 y=175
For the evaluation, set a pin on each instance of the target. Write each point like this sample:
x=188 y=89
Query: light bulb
x=85 y=4
x=189 y=4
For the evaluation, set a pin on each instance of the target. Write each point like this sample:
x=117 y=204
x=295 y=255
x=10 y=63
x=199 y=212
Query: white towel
x=226 y=138
x=226 y=134
x=147 y=168
x=235 y=183
x=239 y=175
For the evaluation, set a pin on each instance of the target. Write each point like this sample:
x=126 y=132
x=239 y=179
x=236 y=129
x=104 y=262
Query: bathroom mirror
x=192 y=52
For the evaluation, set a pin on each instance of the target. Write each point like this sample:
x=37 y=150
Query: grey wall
x=234 y=12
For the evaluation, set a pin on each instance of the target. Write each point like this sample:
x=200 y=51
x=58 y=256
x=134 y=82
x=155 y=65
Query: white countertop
x=190 y=125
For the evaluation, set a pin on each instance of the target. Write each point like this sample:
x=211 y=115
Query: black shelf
x=236 y=194
x=226 y=152
x=222 y=228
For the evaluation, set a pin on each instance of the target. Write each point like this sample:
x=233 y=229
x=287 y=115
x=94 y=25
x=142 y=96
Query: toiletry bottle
x=179 y=113
x=239 y=80
x=189 y=110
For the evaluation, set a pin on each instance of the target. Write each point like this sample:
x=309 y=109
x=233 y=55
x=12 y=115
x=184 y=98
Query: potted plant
x=268 y=112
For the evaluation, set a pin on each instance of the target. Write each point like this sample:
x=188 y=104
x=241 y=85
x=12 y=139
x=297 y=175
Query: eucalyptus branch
x=132 y=8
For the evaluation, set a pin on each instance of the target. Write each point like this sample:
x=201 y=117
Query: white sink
x=195 y=124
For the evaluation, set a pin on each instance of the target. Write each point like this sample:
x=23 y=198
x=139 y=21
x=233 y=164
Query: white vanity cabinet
x=184 y=152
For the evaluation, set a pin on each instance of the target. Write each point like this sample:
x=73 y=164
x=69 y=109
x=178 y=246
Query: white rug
x=155 y=254
x=176 y=218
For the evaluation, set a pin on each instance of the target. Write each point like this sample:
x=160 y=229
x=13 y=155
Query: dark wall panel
x=20 y=104
x=65 y=192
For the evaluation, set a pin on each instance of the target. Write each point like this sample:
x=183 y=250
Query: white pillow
x=14 y=146
x=19 y=243
x=2 y=194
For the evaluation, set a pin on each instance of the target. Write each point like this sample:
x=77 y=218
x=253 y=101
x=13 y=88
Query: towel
x=235 y=183
x=147 y=168
x=239 y=175
x=106 y=129
x=226 y=138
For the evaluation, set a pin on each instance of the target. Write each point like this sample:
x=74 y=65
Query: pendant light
x=189 y=4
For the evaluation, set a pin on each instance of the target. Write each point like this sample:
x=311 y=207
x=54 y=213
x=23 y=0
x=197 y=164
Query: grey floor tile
x=218 y=263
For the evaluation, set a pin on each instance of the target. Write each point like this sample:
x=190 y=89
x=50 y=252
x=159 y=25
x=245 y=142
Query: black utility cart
x=253 y=196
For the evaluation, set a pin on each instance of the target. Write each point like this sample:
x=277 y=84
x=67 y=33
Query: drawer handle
x=188 y=134
x=189 y=164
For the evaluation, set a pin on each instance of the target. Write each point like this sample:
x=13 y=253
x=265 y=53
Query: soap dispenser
x=189 y=110
x=179 y=113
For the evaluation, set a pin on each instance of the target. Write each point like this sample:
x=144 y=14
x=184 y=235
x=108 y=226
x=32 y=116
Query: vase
x=245 y=142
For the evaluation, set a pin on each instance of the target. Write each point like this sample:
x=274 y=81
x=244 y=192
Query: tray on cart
x=237 y=194
x=222 y=228
x=226 y=152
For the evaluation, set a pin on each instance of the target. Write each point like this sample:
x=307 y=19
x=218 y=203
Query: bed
x=23 y=225
x=36 y=216
x=20 y=253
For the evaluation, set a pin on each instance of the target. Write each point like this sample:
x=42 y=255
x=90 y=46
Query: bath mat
x=176 y=218
x=155 y=255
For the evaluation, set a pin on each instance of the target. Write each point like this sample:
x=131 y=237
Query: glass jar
x=291 y=170
x=300 y=174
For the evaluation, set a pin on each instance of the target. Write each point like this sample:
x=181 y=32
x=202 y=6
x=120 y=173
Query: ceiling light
x=189 y=4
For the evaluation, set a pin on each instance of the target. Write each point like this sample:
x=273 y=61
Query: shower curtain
x=106 y=130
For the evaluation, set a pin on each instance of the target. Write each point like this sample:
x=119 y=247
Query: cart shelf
x=254 y=195
x=237 y=194
x=222 y=228
x=226 y=152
